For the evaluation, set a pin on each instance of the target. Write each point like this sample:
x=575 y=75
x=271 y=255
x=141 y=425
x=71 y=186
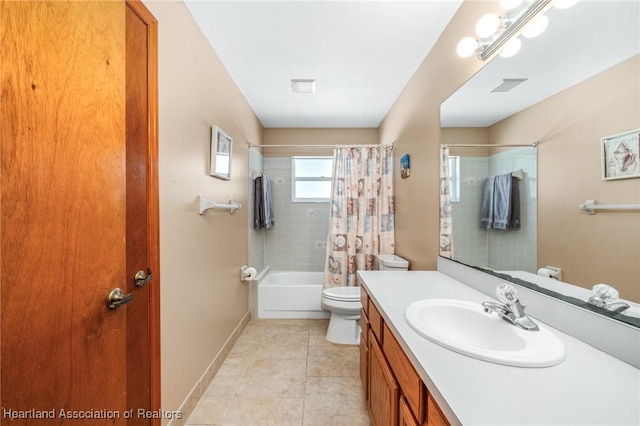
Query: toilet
x=344 y=304
x=391 y=262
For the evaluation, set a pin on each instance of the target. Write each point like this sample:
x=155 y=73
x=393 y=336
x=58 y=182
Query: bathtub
x=283 y=294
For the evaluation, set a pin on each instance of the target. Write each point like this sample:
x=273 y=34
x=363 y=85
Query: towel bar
x=590 y=206
x=205 y=204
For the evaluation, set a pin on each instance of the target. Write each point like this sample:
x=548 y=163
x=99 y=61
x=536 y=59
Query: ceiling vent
x=508 y=84
x=303 y=85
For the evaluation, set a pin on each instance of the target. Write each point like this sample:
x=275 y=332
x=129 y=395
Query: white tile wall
x=496 y=249
x=256 y=238
x=469 y=240
x=297 y=241
x=516 y=249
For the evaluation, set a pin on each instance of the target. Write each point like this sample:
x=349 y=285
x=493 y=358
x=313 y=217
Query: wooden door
x=143 y=381
x=63 y=215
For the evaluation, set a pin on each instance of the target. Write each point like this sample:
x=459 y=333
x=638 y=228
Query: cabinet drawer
x=434 y=415
x=364 y=300
x=364 y=326
x=409 y=381
x=375 y=321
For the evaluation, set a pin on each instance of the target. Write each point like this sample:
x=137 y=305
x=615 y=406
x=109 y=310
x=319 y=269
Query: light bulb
x=536 y=26
x=510 y=4
x=564 y=4
x=487 y=25
x=466 y=47
x=511 y=48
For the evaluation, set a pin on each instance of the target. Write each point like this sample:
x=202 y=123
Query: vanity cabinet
x=395 y=392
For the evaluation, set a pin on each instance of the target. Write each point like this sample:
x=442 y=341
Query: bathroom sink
x=464 y=327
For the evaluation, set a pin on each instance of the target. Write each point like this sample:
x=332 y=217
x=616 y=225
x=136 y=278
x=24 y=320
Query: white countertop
x=589 y=387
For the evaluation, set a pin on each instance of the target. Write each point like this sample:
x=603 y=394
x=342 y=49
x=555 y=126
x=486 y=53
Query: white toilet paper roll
x=546 y=272
x=249 y=273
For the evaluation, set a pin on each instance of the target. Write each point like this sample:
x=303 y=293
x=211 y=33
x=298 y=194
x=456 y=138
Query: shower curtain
x=446 y=224
x=361 y=221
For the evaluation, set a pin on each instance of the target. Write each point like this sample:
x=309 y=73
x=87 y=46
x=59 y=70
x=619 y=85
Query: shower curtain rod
x=315 y=146
x=473 y=145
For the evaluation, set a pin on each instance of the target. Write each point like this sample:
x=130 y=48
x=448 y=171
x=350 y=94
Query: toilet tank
x=391 y=262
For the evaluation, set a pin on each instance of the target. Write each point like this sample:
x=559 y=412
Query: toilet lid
x=393 y=261
x=351 y=293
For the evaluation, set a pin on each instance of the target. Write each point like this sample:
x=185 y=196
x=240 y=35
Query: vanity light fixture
x=500 y=33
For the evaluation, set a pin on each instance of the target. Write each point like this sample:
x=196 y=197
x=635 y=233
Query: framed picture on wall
x=221 y=145
x=405 y=166
x=620 y=155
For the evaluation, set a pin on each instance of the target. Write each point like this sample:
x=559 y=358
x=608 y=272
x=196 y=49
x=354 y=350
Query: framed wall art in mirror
x=620 y=155
x=221 y=148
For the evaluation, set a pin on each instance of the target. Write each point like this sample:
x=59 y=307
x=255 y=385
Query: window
x=454 y=179
x=311 y=179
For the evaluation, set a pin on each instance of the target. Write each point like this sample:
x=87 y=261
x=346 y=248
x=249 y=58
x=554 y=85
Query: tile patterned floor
x=284 y=372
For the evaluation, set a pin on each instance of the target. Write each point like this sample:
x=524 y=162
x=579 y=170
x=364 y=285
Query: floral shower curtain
x=361 y=221
x=446 y=224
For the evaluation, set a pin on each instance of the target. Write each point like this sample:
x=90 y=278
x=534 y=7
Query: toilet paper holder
x=247 y=273
x=551 y=272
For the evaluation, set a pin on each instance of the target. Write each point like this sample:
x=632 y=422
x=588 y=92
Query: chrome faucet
x=603 y=295
x=510 y=310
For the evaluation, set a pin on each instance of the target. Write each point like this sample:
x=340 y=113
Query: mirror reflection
x=580 y=85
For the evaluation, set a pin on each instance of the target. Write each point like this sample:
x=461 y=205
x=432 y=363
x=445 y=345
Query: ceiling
x=363 y=53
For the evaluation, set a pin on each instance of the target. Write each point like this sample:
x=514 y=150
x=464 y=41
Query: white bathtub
x=283 y=294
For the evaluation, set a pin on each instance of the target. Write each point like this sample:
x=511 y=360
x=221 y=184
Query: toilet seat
x=342 y=294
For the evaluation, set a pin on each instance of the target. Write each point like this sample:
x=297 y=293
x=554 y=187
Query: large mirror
x=581 y=83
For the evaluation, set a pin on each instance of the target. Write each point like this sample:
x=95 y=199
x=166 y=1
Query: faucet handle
x=601 y=294
x=605 y=292
x=507 y=293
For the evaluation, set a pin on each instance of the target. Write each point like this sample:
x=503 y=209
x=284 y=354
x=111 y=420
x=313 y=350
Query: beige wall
x=301 y=136
x=466 y=135
x=414 y=124
x=604 y=247
x=202 y=298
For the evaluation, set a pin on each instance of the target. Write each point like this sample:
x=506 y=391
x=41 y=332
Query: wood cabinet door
x=434 y=415
x=384 y=393
x=406 y=416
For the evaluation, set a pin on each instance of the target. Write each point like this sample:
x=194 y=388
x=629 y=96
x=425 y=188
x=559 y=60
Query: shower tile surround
x=496 y=249
x=466 y=213
x=256 y=238
x=298 y=239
